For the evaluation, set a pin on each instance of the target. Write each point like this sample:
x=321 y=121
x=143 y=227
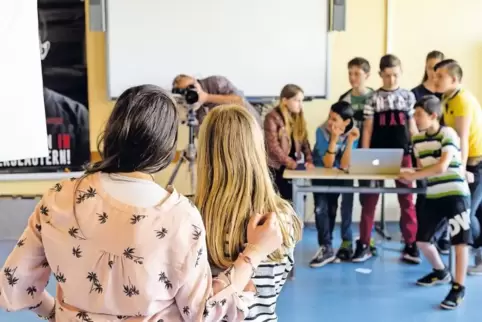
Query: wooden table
x=298 y=176
x=335 y=174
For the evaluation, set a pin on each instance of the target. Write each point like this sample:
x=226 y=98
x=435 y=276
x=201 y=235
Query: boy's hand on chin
x=336 y=131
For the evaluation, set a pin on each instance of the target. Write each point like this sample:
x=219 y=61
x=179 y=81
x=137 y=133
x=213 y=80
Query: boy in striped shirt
x=437 y=149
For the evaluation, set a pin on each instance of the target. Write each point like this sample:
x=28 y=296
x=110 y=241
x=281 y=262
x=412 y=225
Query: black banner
x=64 y=68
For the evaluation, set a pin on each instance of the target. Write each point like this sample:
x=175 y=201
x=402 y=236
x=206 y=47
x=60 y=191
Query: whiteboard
x=23 y=133
x=260 y=45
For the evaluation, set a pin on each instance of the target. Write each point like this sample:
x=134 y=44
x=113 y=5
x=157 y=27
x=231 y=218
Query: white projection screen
x=260 y=45
x=23 y=133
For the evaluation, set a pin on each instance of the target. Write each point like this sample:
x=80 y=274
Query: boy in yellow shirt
x=462 y=112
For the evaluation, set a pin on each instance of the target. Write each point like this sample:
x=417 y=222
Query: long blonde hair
x=295 y=123
x=234 y=183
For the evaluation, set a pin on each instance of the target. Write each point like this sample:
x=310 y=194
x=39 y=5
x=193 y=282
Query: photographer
x=214 y=91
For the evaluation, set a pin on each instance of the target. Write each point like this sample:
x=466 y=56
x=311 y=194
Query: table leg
x=380 y=227
x=297 y=205
x=297 y=200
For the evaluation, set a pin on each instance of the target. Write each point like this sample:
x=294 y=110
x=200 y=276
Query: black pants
x=443 y=230
x=437 y=213
x=326 y=206
x=476 y=203
x=284 y=186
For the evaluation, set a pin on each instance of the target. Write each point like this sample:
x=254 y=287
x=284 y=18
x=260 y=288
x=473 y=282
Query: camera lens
x=191 y=96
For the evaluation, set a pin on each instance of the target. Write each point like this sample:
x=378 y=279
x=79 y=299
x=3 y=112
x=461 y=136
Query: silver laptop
x=376 y=161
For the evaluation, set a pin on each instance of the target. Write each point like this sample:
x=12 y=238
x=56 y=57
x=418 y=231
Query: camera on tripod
x=186 y=99
x=189 y=93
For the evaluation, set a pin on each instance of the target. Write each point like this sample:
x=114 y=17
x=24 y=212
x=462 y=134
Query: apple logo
x=376 y=162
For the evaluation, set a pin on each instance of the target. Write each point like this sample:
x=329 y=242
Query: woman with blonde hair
x=120 y=246
x=287 y=138
x=234 y=183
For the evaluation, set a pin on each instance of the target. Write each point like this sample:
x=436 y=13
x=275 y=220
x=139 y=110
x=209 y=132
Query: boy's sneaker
x=454 y=298
x=443 y=246
x=435 y=277
x=373 y=247
x=345 y=252
x=411 y=254
x=362 y=252
x=323 y=256
x=476 y=270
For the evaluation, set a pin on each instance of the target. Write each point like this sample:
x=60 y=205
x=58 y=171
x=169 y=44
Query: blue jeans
x=326 y=206
x=476 y=203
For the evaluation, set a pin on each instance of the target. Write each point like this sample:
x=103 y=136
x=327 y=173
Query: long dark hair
x=141 y=133
x=434 y=54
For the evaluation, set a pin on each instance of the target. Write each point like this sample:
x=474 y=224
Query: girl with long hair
x=287 y=138
x=234 y=183
x=123 y=248
x=427 y=86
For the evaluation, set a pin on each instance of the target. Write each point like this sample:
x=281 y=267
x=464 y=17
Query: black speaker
x=338 y=15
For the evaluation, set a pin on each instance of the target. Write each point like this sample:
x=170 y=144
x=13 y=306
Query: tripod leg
x=176 y=169
x=192 y=173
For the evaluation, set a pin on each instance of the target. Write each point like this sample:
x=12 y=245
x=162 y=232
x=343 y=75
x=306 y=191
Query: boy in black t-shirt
x=389 y=124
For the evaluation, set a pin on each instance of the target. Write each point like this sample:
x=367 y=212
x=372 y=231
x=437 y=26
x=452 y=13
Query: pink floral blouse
x=115 y=262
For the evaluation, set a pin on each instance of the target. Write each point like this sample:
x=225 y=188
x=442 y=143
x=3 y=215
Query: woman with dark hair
x=335 y=140
x=287 y=138
x=123 y=248
x=426 y=88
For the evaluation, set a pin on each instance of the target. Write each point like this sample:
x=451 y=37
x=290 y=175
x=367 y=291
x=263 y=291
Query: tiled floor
x=339 y=293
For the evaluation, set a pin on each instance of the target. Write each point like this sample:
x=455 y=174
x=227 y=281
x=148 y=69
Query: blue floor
x=338 y=292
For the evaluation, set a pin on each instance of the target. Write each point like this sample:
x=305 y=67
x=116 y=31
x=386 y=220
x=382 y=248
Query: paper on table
x=23 y=132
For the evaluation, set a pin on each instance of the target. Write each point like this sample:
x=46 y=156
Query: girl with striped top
x=233 y=184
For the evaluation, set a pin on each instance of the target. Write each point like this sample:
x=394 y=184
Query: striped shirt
x=428 y=149
x=269 y=279
x=358 y=105
x=383 y=100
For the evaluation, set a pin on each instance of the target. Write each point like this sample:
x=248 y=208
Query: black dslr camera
x=190 y=93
